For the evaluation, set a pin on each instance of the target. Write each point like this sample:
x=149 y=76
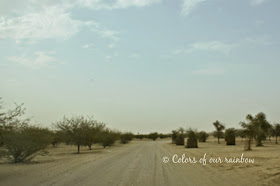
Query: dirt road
x=138 y=163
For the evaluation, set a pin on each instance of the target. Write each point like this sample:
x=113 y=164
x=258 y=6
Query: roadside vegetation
x=256 y=129
x=20 y=140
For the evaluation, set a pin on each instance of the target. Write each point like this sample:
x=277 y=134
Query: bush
x=180 y=140
x=25 y=143
x=126 y=137
x=230 y=136
x=108 y=138
x=192 y=139
x=202 y=136
x=18 y=140
x=174 y=136
x=153 y=136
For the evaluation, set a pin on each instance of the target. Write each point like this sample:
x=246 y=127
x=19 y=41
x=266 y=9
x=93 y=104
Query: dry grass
x=264 y=171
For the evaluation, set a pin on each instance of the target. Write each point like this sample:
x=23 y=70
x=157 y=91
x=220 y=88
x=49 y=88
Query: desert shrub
x=180 y=136
x=192 y=139
x=18 y=140
x=202 y=136
x=108 y=138
x=180 y=140
x=126 y=137
x=25 y=143
x=10 y=119
x=153 y=136
x=230 y=136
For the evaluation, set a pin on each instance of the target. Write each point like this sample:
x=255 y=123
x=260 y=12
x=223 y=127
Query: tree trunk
x=2 y=141
x=276 y=140
x=78 y=149
x=89 y=147
x=248 y=144
x=218 y=139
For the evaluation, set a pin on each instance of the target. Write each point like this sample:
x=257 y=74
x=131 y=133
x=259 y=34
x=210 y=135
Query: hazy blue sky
x=142 y=65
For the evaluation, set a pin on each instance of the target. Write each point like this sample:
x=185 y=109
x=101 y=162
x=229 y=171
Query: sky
x=141 y=65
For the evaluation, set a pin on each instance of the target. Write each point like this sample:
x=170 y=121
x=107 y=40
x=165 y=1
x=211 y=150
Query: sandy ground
x=140 y=163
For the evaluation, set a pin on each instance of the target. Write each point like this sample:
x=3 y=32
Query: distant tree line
x=153 y=136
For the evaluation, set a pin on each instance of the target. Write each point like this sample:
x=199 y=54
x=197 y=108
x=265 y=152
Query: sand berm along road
x=138 y=163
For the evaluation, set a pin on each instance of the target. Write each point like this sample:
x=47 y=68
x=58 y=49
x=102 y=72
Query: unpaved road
x=138 y=163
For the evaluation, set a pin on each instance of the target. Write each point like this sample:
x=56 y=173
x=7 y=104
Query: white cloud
x=264 y=40
x=177 y=52
x=50 y=19
x=214 y=46
x=39 y=59
x=111 y=34
x=139 y=3
x=134 y=55
x=119 y=4
x=50 y=23
x=112 y=45
x=209 y=71
x=189 y=5
x=87 y=46
x=108 y=57
x=257 y=2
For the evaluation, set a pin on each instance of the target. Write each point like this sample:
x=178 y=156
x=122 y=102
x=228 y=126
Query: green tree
x=259 y=127
x=78 y=130
x=219 y=129
x=277 y=131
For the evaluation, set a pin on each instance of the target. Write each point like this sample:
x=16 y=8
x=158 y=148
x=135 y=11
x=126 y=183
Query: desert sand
x=140 y=163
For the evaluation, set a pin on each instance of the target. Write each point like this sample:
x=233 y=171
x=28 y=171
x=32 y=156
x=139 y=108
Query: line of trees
x=256 y=128
x=21 y=141
x=153 y=136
